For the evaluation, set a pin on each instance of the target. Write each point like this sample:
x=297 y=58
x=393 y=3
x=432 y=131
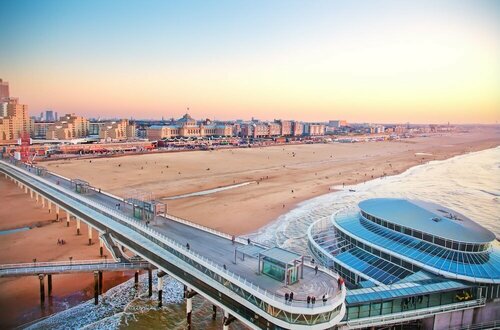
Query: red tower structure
x=25 y=147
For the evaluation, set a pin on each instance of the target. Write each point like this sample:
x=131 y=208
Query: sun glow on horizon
x=360 y=61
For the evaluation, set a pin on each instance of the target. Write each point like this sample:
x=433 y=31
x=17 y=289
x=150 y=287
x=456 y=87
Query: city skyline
x=383 y=62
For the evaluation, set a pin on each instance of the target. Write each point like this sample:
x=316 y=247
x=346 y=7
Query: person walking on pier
x=187 y=246
x=308 y=300
x=286 y=297
x=316 y=270
x=291 y=296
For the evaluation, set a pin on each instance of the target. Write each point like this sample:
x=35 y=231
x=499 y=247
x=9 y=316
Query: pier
x=262 y=287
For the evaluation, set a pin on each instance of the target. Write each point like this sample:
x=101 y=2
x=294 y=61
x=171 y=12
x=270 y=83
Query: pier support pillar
x=101 y=247
x=31 y=193
x=43 y=202
x=214 y=312
x=150 y=282
x=68 y=216
x=25 y=189
x=57 y=212
x=90 y=234
x=49 y=285
x=189 y=309
x=189 y=305
x=96 y=287
x=228 y=319
x=100 y=282
x=136 y=279
x=77 y=226
x=36 y=198
x=42 y=289
x=224 y=321
x=160 y=291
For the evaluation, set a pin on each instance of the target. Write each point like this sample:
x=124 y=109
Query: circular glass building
x=400 y=256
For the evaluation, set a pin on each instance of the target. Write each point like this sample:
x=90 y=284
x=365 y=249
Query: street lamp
x=34 y=261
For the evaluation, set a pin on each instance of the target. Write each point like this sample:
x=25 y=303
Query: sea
x=469 y=184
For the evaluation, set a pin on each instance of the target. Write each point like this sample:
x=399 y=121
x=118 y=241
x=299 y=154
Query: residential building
x=68 y=127
x=313 y=129
x=4 y=90
x=117 y=130
x=15 y=121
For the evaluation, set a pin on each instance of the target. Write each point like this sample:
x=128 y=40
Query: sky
x=364 y=61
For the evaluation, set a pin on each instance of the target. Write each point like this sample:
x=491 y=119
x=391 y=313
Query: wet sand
x=19 y=296
x=283 y=175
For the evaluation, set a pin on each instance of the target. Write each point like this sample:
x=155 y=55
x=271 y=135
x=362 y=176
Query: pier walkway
x=208 y=262
x=60 y=267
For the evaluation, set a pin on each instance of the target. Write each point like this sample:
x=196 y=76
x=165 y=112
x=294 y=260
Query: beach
x=20 y=299
x=275 y=178
x=258 y=185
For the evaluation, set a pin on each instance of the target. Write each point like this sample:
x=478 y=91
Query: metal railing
x=395 y=317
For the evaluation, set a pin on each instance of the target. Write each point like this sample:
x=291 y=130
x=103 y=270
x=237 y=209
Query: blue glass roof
x=429 y=218
x=371 y=266
x=476 y=267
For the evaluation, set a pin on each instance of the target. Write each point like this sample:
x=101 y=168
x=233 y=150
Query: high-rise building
x=49 y=115
x=15 y=122
x=4 y=90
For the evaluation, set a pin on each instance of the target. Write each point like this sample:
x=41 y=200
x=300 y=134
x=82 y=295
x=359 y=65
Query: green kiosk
x=282 y=265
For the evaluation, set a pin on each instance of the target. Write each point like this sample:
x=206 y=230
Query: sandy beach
x=267 y=183
x=19 y=298
x=278 y=177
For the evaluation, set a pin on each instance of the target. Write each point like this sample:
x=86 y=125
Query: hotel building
x=188 y=127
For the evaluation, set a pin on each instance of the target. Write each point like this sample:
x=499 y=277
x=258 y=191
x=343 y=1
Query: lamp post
x=34 y=262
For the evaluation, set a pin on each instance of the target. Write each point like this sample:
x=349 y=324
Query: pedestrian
x=286 y=297
x=225 y=267
x=291 y=296
x=248 y=241
x=187 y=246
x=313 y=300
x=232 y=239
x=324 y=299
x=308 y=300
x=316 y=270
x=58 y=241
x=312 y=261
